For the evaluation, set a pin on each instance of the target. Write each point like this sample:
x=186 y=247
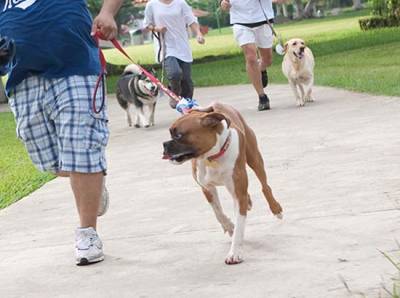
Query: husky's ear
x=142 y=76
x=285 y=47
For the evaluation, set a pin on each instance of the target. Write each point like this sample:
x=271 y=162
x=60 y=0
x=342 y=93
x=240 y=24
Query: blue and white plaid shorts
x=56 y=122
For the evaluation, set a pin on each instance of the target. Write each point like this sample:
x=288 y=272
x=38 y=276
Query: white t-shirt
x=175 y=16
x=250 y=11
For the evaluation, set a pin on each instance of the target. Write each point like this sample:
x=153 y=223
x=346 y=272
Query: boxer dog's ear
x=213 y=119
x=202 y=109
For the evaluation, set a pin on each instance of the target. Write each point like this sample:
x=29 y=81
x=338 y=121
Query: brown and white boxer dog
x=220 y=144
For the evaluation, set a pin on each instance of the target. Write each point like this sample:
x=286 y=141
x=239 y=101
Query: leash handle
x=100 y=80
x=152 y=78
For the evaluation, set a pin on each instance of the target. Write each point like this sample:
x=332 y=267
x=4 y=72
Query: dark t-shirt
x=52 y=38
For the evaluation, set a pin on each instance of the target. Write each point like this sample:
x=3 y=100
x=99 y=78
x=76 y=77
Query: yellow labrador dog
x=298 y=67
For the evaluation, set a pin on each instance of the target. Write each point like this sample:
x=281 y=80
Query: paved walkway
x=4 y=108
x=333 y=165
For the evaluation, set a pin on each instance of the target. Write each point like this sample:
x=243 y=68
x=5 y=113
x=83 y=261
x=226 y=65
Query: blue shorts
x=55 y=120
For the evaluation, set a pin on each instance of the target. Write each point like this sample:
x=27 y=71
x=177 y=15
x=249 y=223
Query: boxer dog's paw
x=233 y=258
x=276 y=209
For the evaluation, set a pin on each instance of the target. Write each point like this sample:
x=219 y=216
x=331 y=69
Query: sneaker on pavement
x=263 y=103
x=88 y=247
x=104 y=201
x=264 y=78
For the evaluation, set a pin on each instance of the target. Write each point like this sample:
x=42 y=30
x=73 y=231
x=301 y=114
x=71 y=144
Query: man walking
x=254 y=36
x=170 y=18
x=50 y=87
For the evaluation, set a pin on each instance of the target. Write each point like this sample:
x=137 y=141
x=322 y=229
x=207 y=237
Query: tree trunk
x=3 y=97
x=278 y=10
x=309 y=9
x=299 y=9
x=284 y=10
x=357 y=4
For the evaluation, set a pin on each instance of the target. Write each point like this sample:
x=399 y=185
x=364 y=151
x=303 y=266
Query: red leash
x=98 y=36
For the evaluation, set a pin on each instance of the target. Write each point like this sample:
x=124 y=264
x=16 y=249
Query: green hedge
x=378 y=22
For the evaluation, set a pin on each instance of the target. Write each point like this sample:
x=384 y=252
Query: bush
x=386 y=13
x=378 y=22
x=386 y=8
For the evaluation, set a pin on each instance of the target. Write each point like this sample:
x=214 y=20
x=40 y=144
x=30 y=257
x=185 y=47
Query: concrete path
x=333 y=165
x=4 y=107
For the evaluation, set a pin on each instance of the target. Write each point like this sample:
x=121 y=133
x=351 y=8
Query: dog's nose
x=302 y=49
x=166 y=146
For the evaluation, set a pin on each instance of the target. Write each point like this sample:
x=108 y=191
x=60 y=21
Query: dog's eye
x=178 y=136
x=295 y=43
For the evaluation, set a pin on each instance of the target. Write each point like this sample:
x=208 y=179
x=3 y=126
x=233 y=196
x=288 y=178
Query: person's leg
x=174 y=76
x=265 y=62
x=61 y=137
x=253 y=71
x=104 y=197
x=264 y=40
x=265 y=58
x=87 y=190
x=246 y=38
x=82 y=136
x=253 y=67
x=187 y=83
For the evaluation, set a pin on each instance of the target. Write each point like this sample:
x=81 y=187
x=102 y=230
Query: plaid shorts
x=56 y=122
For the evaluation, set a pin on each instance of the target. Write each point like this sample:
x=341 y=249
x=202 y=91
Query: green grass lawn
x=345 y=56
x=223 y=43
x=375 y=70
x=18 y=177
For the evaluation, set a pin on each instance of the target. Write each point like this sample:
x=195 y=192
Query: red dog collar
x=224 y=148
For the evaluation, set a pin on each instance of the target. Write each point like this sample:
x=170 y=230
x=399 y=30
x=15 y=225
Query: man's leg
x=82 y=137
x=174 y=75
x=253 y=67
x=187 y=83
x=265 y=62
x=265 y=58
x=253 y=71
x=87 y=190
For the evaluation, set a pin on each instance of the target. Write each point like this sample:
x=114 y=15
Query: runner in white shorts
x=254 y=36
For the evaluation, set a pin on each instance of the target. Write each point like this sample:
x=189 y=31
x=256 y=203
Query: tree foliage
x=125 y=14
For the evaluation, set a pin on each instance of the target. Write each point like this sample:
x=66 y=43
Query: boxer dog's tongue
x=166 y=156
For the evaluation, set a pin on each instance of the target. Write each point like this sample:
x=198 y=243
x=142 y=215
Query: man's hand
x=106 y=25
x=225 y=5
x=200 y=38
x=105 y=22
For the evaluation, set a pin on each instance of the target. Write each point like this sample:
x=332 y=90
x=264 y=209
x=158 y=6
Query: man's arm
x=105 y=22
x=196 y=30
x=191 y=21
x=149 y=20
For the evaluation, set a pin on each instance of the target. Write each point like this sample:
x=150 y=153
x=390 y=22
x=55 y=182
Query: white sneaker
x=88 y=246
x=104 y=201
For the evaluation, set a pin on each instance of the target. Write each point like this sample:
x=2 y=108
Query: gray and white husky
x=135 y=90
